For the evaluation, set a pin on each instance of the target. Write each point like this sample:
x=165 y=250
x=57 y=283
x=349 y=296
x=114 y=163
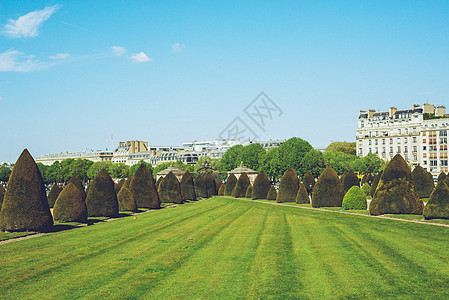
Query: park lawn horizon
x=231 y=248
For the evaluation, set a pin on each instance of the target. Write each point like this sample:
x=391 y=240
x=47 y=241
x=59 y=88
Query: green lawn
x=232 y=248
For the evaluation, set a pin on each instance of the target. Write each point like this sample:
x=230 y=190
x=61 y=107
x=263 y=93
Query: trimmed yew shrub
x=143 y=188
x=288 y=187
x=328 y=190
x=221 y=191
x=241 y=186
x=438 y=205
x=158 y=182
x=218 y=184
x=70 y=206
x=210 y=184
x=188 y=186
x=119 y=185
x=355 y=198
x=272 y=194
x=375 y=183
x=308 y=181
x=395 y=193
x=77 y=182
x=25 y=205
x=2 y=194
x=366 y=189
x=101 y=200
x=128 y=182
x=441 y=177
x=349 y=179
x=302 y=197
x=170 y=190
x=261 y=186
x=231 y=181
x=53 y=195
x=200 y=187
x=126 y=200
x=249 y=191
x=423 y=181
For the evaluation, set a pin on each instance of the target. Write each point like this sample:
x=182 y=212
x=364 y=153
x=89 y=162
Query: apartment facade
x=419 y=134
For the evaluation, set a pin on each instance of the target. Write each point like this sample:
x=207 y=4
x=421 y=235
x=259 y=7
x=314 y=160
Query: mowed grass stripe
x=231 y=248
x=83 y=250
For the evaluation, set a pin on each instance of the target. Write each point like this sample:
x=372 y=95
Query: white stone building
x=419 y=134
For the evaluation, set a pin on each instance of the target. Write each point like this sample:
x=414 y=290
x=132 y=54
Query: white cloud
x=28 y=25
x=140 y=57
x=119 y=51
x=177 y=47
x=17 y=61
x=59 y=56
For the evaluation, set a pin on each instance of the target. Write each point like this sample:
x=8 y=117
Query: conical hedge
x=200 y=187
x=221 y=191
x=261 y=186
x=53 y=195
x=328 y=191
x=126 y=200
x=128 y=182
x=218 y=184
x=355 y=198
x=349 y=179
x=302 y=197
x=375 y=183
x=438 y=205
x=170 y=190
x=288 y=187
x=143 y=188
x=423 y=182
x=241 y=186
x=441 y=176
x=188 y=186
x=249 y=191
x=158 y=182
x=101 y=200
x=77 y=182
x=309 y=181
x=231 y=181
x=25 y=206
x=119 y=185
x=210 y=184
x=272 y=194
x=395 y=193
x=70 y=206
x=2 y=194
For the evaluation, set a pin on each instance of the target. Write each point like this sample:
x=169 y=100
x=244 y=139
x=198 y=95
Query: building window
x=405 y=149
x=383 y=141
x=399 y=131
x=391 y=141
x=433 y=163
x=383 y=150
x=360 y=151
x=391 y=149
x=405 y=140
x=399 y=140
x=443 y=140
x=414 y=130
x=406 y=130
x=415 y=157
x=443 y=133
x=399 y=149
x=415 y=148
x=443 y=163
x=369 y=142
x=425 y=162
x=414 y=139
x=375 y=142
x=377 y=150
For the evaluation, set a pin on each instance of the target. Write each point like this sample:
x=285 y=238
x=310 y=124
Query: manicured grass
x=232 y=248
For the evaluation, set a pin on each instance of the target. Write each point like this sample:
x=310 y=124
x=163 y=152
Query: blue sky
x=73 y=73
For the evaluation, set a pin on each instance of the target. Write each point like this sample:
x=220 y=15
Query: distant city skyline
x=74 y=73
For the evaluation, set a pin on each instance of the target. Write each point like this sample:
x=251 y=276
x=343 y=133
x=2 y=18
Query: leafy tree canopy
x=345 y=147
x=4 y=173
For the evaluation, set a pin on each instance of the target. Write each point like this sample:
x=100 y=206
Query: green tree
x=314 y=162
x=345 y=147
x=232 y=158
x=272 y=164
x=252 y=155
x=80 y=167
x=370 y=163
x=339 y=161
x=213 y=163
x=119 y=170
x=97 y=166
x=182 y=166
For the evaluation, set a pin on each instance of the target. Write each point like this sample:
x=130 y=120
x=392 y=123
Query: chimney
x=440 y=111
x=392 y=111
x=429 y=108
x=371 y=113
